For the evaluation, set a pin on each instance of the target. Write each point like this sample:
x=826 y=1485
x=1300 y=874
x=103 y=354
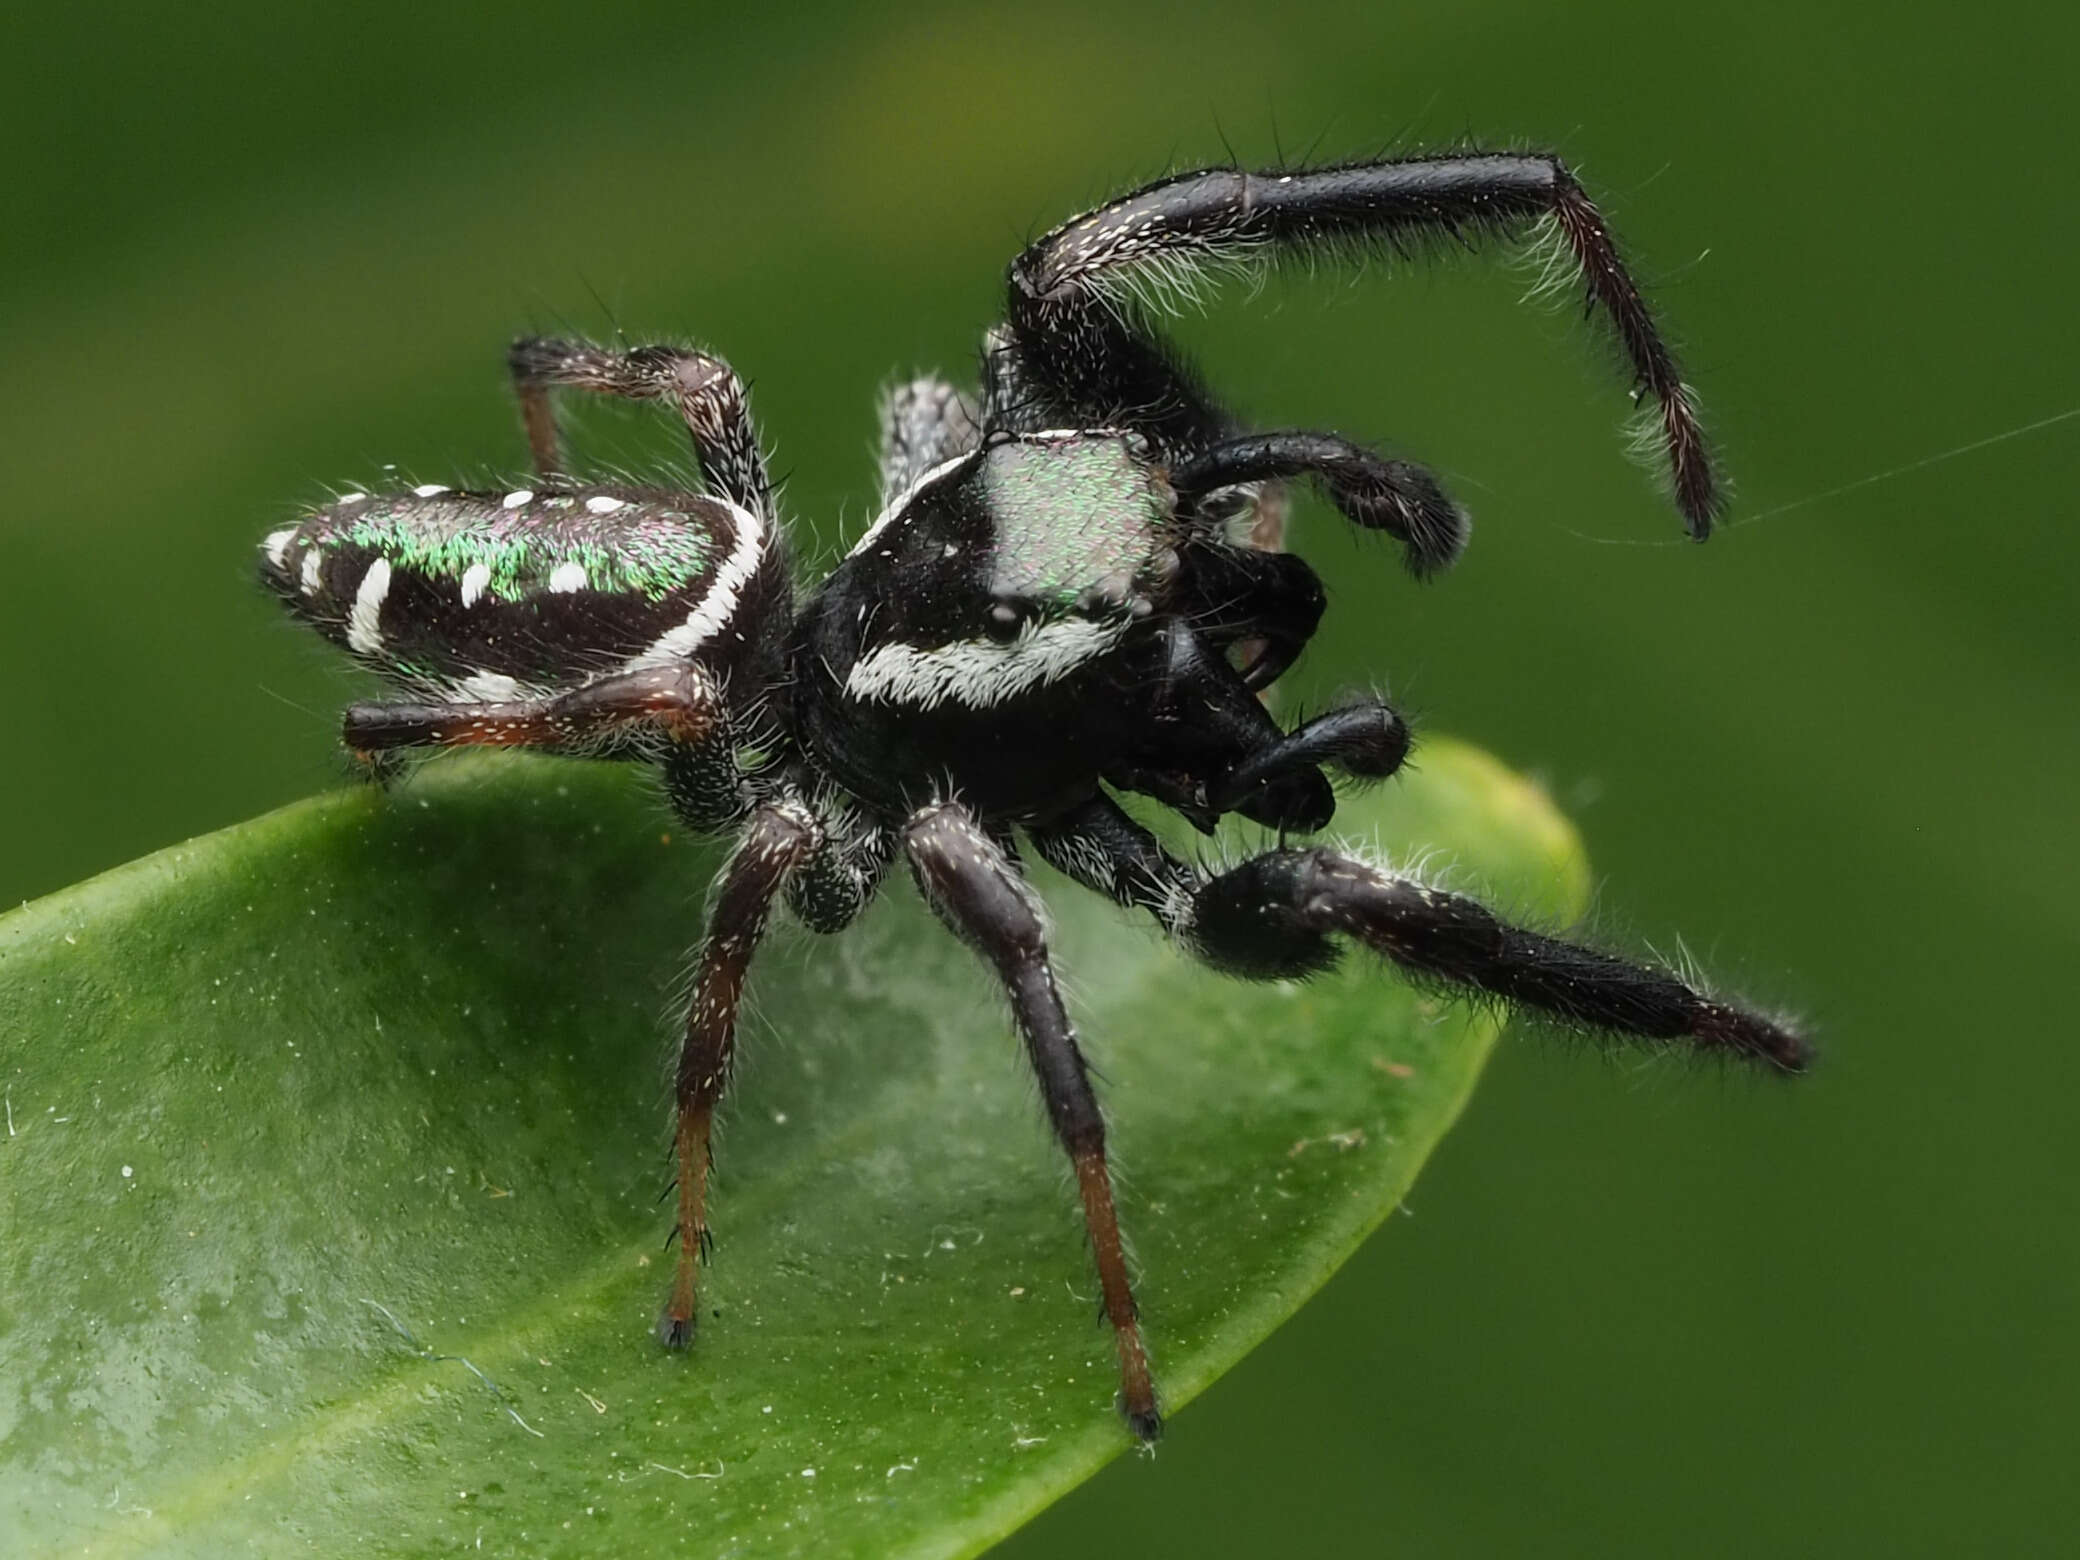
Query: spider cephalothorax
x=1053 y=606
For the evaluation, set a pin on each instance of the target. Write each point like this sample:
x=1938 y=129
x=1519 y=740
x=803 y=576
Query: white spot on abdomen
x=277 y=545
x=567 y=577
x=490 y=688
x=516 y=498
x=313 y=562
x=474 y=579
x=429 y=490
x=603 y=504
x=364 y=623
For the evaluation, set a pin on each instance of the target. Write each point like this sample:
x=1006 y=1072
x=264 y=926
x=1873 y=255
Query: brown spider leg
x=704 y=390
x=977 y=891
x=778 y=838
x=681 y=702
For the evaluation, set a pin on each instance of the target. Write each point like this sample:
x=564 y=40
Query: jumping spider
x=1051 y=606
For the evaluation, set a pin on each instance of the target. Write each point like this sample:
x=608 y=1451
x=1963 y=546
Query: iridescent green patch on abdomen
x=514 y=545
x=531 y=589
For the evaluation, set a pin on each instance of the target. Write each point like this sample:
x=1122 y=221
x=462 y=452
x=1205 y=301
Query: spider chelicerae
x=1057 y=602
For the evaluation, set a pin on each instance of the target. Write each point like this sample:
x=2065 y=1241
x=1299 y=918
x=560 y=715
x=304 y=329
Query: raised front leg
x=705 y=392
x=1078 y=346
x=978 y=892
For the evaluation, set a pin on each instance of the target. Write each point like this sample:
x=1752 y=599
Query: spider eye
x=1006 y=616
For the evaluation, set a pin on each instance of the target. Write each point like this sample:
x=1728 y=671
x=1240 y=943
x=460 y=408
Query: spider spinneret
x=1050 y=608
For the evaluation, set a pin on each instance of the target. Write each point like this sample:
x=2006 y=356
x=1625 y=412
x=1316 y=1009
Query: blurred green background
x=255 y=250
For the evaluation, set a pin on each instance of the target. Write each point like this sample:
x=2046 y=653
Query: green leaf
x=400 y=1059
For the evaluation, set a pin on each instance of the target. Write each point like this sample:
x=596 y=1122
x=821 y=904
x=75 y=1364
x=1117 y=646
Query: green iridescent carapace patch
x=1071 y=516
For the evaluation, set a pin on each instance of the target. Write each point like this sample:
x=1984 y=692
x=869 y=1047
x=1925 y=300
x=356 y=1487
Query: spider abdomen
x=478 y=596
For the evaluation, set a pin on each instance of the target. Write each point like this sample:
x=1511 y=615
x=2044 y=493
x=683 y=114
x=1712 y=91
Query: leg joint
x=1254 y=920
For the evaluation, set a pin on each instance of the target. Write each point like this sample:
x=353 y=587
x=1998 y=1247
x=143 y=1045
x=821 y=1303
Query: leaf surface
x=334 y=1142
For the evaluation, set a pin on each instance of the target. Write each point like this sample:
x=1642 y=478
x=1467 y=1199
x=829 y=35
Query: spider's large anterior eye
x=1005 y=618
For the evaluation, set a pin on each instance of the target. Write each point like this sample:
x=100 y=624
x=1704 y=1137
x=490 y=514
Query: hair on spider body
x=1061 y=599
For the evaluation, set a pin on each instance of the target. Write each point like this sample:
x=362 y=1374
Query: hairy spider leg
x=777 y=839
x=841 y=879
x=704 y=390
x=681 y=703
x=1079 y=354
x=924 y=422
x=686 y=707
x=976 y=888
x=1273 y=917
x=1396 y=496
x=1099 y=846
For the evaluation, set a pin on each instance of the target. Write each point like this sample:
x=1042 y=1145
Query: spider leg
x=978 y=892
x=1284 y=904
x=777 y=839
x=1274 y=917
x=1079 y=350
x=844 y=874
x=704 y=390
x=680 y=703
x=1396 y=496
x=923 y=423
x=1099 y=846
